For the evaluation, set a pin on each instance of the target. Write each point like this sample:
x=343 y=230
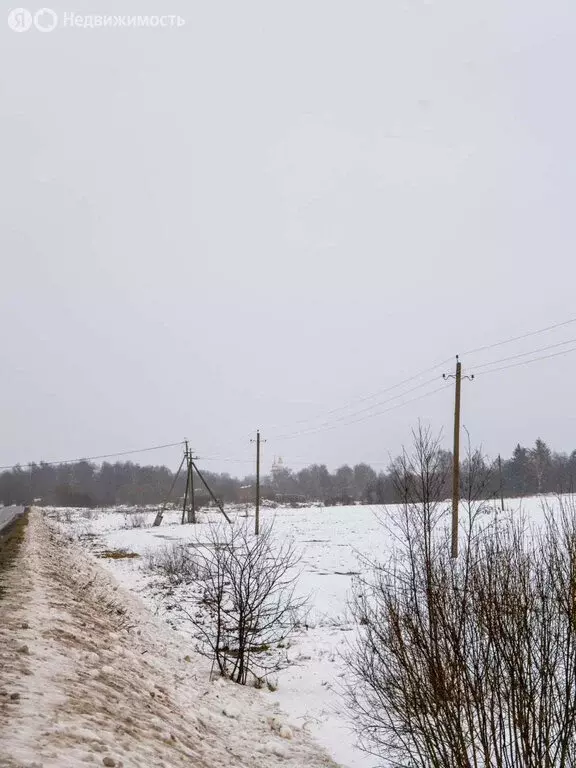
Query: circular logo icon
x=19 y=20
x=45 y=20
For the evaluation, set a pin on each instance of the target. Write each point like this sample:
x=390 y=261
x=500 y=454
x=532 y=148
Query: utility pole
x=160 y=515
x=257 y=517
x=189 y=513
x=189 y=506
x=205 y=484
x=187 y=457
x=456 y=458
x=192 y=510
x=501 y=483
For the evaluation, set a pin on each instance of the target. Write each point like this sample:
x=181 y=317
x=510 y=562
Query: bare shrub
x=468 y=662
x=135 y=520
x=174 y=562
x=249 y=606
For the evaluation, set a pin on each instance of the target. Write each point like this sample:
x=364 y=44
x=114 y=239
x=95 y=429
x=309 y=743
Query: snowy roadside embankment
x=88 y=676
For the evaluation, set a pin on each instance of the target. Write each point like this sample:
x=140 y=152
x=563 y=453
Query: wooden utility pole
x=189 y=512
x=501 y=483
x=189 y=506
x=456 y=468
x=205 y=484
x=257 y=516
x=456 y=457
x=187 y=457
x=160 y=515
x=192 y=509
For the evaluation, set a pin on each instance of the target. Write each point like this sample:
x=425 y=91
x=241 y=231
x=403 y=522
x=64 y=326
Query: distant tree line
x=527 y=472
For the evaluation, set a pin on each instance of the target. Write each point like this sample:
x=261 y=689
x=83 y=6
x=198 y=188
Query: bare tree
x=249 y=606
x=467 y=663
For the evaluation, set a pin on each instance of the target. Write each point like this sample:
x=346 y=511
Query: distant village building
x=280 y=490
x=277 y=468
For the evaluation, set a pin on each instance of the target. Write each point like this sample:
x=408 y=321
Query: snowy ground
x=89 y=676
x=333 y=543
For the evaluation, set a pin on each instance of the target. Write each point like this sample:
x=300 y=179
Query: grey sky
x=325 y=197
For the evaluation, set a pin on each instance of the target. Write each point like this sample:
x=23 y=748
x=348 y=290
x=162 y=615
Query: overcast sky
x=277 y=209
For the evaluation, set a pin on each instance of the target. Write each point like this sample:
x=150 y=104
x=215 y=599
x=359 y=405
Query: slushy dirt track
x=89 y=677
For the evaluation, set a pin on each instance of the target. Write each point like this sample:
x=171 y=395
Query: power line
x=357 y=413
x=94 y=458
x=364 y=418
x=357 y=401
x=295 y=462
x=418 y=375
x=527 y=362
x=226 y=458
x=312 y=429
x=519 y=338
x=524 y=354
x=344 y=420
x=334 y=423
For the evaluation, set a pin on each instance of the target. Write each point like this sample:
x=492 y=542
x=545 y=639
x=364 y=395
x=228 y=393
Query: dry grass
x=117 y=554
x=10 y=542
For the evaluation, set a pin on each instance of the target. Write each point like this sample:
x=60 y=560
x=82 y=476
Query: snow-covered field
x=332 y=541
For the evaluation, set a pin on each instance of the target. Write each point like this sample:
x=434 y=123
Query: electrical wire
x=402 y=383
x=527 y=362
x=357 y=413
x=334 y=423
x=95 y=458
x=519 y=338
x=234 y=460
x=357 y=401
x=523 y=354
x=344 y=420
x=364 y=418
